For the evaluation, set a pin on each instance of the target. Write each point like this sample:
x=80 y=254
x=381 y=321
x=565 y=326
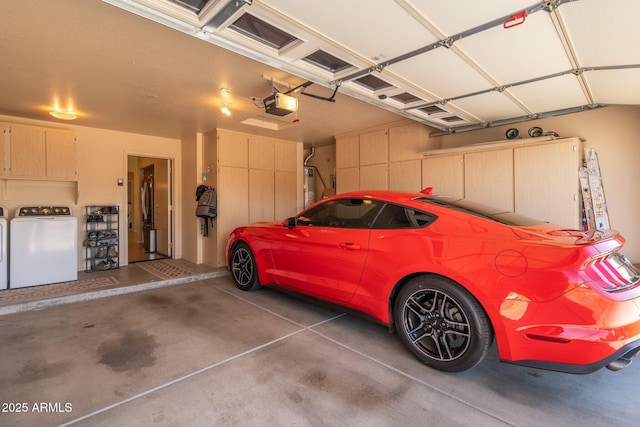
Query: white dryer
x=43 y=246
x=4 y=250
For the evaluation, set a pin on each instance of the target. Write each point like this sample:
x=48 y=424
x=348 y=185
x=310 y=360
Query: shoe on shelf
x=102 y=265
x=102 y=253
x=112 y=252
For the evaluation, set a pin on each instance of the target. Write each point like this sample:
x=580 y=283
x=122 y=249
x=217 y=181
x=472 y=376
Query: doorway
x=149 y=200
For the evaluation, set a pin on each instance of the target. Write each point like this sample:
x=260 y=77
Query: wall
x=191 y=178
x=325 y=161
x=615 y=134
x=102 y=160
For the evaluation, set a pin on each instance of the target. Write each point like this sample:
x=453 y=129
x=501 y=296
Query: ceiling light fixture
x=226 y=101
x=63 y=114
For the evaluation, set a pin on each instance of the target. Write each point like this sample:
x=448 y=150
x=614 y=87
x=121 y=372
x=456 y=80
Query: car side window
x=343 y=213
x=397 y=217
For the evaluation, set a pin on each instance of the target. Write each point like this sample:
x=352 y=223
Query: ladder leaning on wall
x=595 y=205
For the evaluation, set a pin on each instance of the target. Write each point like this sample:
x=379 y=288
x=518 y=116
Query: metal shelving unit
x=102 y=238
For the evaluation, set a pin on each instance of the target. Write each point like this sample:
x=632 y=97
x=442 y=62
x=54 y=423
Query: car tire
x=244 y=268
x=442 y=323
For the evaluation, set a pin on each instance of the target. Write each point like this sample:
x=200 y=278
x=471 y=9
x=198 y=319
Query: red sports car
x=449 y=275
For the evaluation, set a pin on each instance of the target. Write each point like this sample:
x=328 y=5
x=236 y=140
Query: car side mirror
x=291 y=222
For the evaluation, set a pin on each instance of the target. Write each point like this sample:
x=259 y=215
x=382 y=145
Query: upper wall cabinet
x=374 y=148
x=60 y=154
x=31 y=152
x=406 y=142
x=347 y=151
x=381 y=158
x=536 y=177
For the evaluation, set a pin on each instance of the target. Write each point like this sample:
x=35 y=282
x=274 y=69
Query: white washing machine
x=43 y=246
x=4 y=250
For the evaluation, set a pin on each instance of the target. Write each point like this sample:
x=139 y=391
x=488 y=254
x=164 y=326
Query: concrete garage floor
x=206 y=353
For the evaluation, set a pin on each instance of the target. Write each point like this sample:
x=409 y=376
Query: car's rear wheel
x=442 y=323
x=243 y=267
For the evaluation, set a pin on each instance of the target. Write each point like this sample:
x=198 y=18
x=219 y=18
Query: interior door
x=147 y=202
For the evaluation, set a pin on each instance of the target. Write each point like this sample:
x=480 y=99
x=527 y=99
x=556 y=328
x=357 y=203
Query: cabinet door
x=261 y=195
x=286 y=192
x=28 y=152
x=60 y=154
x=488 y=178
x=347 y=179
x=405 y=176
x=286 y=156
x=347 y=151
x=374 y=148
x=233 y=149
x=261 y=154
x=374 y=177
x=406 y=142
x=233 y=208
x=546 y=182
x=445 y=174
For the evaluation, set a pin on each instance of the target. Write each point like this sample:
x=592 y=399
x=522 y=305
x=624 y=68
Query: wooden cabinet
x=383 y=158
x=536 y=177
x=445 y=175
x=32 y=152
x=546 y=184
x=406 y=142
x=286 y=192
x=61 y=155
x=374 y=148
x=261 y=153
x=488 y=177
x=27 y=152
x=347 y=179
x=261 y=195
x=256 y=179
x=347 y=151
x=405 y=176
x=374 y=177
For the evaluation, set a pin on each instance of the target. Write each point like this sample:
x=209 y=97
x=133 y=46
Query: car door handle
x=350 y=246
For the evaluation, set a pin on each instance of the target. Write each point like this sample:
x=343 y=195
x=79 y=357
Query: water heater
x=309 y=187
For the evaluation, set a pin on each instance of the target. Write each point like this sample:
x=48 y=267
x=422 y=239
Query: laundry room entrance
x=149 y=213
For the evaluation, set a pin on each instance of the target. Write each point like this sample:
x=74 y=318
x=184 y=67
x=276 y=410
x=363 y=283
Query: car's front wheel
x=442 y=324
x=243 y=267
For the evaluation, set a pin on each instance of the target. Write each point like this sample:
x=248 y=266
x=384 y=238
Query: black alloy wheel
x=442 y=324
x=243 y=267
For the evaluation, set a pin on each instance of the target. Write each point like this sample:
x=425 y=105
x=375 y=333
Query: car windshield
x=483 y=211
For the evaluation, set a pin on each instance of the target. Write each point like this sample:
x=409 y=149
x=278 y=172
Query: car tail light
x=612 y=272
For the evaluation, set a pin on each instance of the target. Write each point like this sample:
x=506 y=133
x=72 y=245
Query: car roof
x=387 y=195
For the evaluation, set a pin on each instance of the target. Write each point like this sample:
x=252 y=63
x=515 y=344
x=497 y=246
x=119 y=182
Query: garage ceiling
x=452 y=65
